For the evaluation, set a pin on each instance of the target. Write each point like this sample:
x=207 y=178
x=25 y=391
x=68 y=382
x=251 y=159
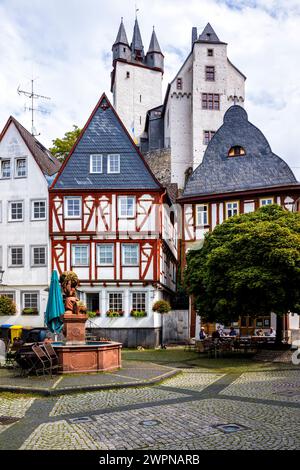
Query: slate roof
x=259 y=168
x=121 y=36
x=48 y=164
x=209 y=35
x=154 y=45
x=103 y=134
x=137 y=43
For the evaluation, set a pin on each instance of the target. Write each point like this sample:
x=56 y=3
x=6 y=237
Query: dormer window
x=236 y=151
x=96 y=163
x=113 y=163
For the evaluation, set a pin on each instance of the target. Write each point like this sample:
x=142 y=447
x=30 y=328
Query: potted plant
x=7 y=306
x=91 y=314
x=161 y=306
x=30 y=311
x=138 y=313
x=114 y=313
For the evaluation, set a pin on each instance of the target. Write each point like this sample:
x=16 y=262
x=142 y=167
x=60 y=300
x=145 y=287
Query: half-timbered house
x=109 y=224
x=239 y=174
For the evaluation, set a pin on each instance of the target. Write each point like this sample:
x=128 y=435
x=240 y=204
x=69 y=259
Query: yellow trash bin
x=15 y=332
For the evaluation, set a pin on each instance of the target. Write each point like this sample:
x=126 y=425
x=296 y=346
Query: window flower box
x=30 y=311
x=114 y=313
x=138 y=313
x=92 y=314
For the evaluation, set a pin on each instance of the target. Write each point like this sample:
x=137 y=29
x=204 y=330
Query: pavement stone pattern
x=279 y=385
x=12 y=407
x=182 y=413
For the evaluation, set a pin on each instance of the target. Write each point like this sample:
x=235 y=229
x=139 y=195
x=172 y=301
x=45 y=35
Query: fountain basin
x=92 y=356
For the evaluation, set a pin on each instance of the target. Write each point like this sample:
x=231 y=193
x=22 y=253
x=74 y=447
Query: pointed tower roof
x=209 y=35
x=154 y=45
x=137 y=43
x=121 y=36
x=104 y=133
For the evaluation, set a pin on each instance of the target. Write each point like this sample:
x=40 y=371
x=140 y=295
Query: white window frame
x=10 y=219
x=9 y=253
x=109 y=169
x=99 y=246
x=10 y=172
x=227 y=208
x=34 y=292
x=266 y=199
x=16 y=167
x=130 y=264
x=201 y=223
x=81 y=245
x=32 y=264
x=68 y=198
x=33 y=201
x=92 y=157
x=139 y=293
x=127 y=215
x=108 y=299
x=9 y=293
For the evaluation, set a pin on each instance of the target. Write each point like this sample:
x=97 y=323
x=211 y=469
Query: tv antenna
x=31 y=95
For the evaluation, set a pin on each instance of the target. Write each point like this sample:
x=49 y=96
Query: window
x=38 y=210
x=126 y=206
x=113 y=163
x=5 y=169
x=127 y=74
x=80 y=255
x=210 y=101
x=115 y=301
x=21 y=168
x=38 y=256
x=266 y=202
x=139 y=301
x=15 y=211
x=207 y=136
x=210 y=52
x=202 y=214
x=179 y=83
x=236 y=151
x=96 y=164
x=16 y=256
x=10 y=295
x=210 y=73
x=73 y=207
x=130 y=254
x=30 y=300
x=105 y=254
x=232 y=208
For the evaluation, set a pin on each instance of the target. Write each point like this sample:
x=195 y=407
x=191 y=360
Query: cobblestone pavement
x=184 y=412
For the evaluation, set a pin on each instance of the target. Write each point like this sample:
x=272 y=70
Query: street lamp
x=1 y=275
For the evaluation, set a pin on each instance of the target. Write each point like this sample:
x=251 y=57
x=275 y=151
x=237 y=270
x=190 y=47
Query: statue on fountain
x=75 y=316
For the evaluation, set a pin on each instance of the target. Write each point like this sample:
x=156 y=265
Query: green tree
x=62 y=147
x=249 y=265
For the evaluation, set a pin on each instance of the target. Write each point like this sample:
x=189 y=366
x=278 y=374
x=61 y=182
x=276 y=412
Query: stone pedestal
x=74 y=328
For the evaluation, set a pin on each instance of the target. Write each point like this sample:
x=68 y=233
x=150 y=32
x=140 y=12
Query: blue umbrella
x=55 y=306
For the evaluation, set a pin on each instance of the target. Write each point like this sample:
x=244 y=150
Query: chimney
x=194 y=35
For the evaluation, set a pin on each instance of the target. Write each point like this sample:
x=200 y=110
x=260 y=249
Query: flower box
x=114 y=313
x=30 y=311
x=138 y=313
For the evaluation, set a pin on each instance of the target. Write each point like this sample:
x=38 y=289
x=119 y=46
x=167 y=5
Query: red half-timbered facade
x=109 y=222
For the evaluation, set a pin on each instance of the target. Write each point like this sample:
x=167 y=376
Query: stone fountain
x=76 y=355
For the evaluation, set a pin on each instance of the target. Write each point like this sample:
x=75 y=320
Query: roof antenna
x=31 y=95
x=136 y=10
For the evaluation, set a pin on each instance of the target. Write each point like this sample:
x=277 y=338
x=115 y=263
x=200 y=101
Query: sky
x=65 y=45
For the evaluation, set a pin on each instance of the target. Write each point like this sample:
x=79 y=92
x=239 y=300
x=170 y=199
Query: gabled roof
x=104 y=133
x=48 y=164
x=259 y=168
x=209 y=35
x=154 y=45
x=137 y=43
x=121 y=36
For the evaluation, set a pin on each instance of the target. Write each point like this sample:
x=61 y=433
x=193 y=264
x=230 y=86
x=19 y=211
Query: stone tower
x=136 y=79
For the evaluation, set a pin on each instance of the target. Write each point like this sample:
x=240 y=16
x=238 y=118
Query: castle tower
x=136 y=79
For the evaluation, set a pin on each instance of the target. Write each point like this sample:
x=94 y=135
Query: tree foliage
x=249 y=265
x=62 y=147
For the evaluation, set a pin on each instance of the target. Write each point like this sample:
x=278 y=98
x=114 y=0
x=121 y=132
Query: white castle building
x=26 y=169
x=196 y=100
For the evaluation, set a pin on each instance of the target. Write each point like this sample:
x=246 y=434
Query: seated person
x=232 y=332
x=260 y=332
x=215 y=334
x=272 y=333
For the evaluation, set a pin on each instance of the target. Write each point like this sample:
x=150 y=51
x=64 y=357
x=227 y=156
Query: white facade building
x=26 y=168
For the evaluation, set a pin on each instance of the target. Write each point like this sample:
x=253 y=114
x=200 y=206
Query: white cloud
x=67 y=44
